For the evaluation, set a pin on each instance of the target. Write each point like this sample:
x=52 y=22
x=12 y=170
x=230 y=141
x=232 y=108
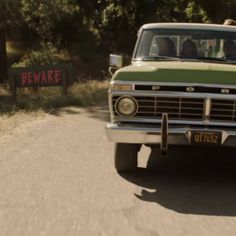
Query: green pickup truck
x=180 y=89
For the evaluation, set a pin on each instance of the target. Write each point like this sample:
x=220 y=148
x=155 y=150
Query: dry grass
x=48 y=99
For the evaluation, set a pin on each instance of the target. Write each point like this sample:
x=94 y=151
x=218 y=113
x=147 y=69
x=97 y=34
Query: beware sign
x=42 y=76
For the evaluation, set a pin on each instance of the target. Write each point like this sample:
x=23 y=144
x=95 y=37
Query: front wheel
x=126 y=156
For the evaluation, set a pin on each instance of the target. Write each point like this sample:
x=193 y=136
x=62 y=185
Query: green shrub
x=46 y=55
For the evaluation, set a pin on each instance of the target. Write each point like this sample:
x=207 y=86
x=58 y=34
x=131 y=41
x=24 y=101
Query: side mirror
x=116 y=62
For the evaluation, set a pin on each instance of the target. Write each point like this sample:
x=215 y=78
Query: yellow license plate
x=206 y=138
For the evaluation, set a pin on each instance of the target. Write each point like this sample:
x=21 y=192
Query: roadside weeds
x=82 y=94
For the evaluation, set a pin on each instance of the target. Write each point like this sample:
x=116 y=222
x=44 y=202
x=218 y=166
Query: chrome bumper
x=176 y=136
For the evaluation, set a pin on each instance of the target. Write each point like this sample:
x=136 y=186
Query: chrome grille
x=223 y=110
x=176 y=107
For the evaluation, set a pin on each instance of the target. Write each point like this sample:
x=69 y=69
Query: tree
x=218 y=10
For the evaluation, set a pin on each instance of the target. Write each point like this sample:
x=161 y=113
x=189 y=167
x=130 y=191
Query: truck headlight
x=126 y=106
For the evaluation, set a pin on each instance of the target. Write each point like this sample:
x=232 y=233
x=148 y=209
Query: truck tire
x=126 y=156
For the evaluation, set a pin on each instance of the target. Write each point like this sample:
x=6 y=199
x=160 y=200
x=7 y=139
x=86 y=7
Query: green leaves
x=110 y=25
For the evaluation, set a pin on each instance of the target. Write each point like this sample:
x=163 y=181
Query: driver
x=166 y=47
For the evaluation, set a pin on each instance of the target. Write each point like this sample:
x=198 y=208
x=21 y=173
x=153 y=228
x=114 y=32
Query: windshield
x=187 y=44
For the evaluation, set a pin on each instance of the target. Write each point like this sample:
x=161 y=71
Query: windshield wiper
x=157 y=58
x=217 y=59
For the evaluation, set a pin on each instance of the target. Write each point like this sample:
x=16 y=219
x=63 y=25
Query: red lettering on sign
x=37 y=78
x=40 y=77
x=24 y=78
x=57 y=76
x=44 y=78
x=50 y=77
x=30 y=81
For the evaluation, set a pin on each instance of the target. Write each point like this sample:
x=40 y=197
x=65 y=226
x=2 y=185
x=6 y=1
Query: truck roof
x=190 y=26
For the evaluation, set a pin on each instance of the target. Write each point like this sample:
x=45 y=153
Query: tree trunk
x=3 y=56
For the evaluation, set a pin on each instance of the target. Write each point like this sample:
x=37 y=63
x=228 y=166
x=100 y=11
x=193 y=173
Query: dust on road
x=57 y=178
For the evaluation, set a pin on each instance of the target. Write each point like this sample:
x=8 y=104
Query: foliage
x=107 y=25
x=46 y=55
x=51 y=20
x=47 y=99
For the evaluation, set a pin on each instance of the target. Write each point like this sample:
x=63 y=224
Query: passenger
x=189 y=49
x=230 y=22
x=229 y=49
x=166 y=47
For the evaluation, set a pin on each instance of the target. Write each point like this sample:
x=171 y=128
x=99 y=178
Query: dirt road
x=57 y=178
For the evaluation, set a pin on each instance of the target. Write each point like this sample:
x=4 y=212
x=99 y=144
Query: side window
x=201 y=47
x=212 y=48
x=154 y=47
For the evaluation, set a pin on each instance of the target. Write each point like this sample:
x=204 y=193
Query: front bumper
x=152 y=135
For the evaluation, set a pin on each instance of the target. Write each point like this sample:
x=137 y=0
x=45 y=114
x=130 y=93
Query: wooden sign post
x=3 y=56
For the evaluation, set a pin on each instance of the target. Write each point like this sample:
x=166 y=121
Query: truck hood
x=178 y=71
